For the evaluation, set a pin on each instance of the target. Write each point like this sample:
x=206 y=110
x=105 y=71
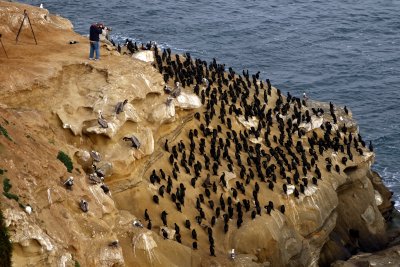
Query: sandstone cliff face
x=51 y=98
x=388 y=257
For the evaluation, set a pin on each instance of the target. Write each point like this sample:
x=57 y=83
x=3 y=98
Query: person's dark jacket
x=94 y=33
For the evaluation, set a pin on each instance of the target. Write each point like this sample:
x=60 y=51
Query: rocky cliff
x=307 y=206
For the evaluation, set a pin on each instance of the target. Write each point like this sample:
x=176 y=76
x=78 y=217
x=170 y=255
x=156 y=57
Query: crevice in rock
x=350 y=169
x=360 y=225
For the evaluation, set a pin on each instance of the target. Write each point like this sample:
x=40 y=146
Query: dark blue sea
x=347 y=52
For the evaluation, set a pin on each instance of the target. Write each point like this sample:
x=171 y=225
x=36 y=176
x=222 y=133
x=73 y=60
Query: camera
x=105 y=28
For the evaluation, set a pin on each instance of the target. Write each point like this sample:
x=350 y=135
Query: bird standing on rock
x=164 y=217
x=102 y=122
x=187 y=224
x=166 y=145
x=146 y=215
x=282 y=209
x=177 y=90
x=95 y=155
x=114 y=244
x=99 y=172
x=194 y=234
x=164 y=233
x=105 y=188
x=120 y=106
x=84 y=205
x=69 y=183
x=134 y=140
x=155 y=199
x=212 y=251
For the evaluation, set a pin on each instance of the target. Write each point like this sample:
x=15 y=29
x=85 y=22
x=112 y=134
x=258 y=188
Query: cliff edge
x=276 y=179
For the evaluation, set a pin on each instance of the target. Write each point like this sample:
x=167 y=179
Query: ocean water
x=343 y=51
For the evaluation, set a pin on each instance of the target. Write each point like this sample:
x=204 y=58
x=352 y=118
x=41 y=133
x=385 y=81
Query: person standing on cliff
x=94 y=37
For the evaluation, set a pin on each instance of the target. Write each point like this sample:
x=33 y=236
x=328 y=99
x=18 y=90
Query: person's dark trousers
x=94 y=48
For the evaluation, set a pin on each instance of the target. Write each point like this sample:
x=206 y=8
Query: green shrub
x=4 y=132
x=64 y=158
x=77 y=264
x=6 y=121
x=6 y=185
x=5 y=244
x=11 y=196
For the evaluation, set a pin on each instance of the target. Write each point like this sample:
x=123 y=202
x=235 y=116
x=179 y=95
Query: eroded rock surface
x=55 y=105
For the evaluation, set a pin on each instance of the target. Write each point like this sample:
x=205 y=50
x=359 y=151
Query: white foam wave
x=120 y=38
x=392 y=181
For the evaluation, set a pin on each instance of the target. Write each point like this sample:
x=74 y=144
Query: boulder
x=387 y=258
x=162 y=113
x=251 y=122
x=187 y=101
x=27 y=234
x=315 y=123
x=146 y=56
x=170 y=232
x=84 y=159
x=109 y=256
x=267 y=235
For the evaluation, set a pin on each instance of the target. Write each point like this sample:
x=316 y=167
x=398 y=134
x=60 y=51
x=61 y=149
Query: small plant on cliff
x=6 y=185
x=77 y=264
x=4 y=132
x=6 y=121
x=64 y=158
x=11 y=196
x=5 y=244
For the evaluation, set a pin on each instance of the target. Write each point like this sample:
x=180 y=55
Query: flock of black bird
x=218 y=146
x=133 y=47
